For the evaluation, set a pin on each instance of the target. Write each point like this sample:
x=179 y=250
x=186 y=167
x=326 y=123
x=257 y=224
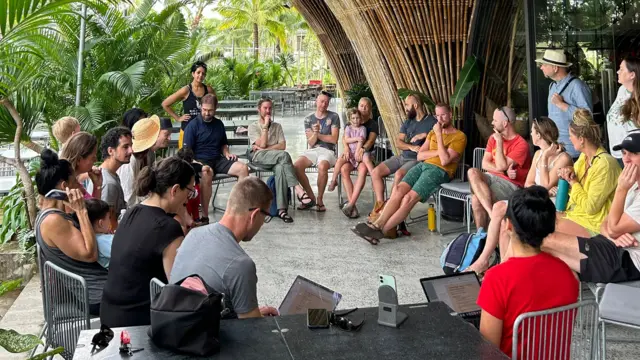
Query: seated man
x=614 y=255
x=322 y=129
x=530 y=280
x=207 y=138
x=439 y=155
x=505 y=150
x=214 y=251
x=413 y=133
x=268 y=150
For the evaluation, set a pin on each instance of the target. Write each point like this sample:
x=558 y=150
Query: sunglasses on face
x=267 y=216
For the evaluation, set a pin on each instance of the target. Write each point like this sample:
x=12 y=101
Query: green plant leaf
x=17 y=343
x=403 y=93
x=469 y=76
x=10 y=285
x=43 y=356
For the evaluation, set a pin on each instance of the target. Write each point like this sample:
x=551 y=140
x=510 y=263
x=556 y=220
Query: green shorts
x=425 y=179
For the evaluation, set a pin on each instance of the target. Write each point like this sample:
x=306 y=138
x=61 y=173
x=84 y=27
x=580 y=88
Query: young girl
x=355 y=136
x=100 y=218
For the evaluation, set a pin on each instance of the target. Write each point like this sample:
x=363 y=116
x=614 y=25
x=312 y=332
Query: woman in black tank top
x=190 y=96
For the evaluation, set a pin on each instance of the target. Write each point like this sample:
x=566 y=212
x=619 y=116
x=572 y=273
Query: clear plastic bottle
x=122 y=212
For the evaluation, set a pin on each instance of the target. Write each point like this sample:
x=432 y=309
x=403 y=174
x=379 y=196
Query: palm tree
x=254 y=15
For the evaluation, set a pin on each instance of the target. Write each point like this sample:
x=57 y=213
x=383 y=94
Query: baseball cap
x=630 y=143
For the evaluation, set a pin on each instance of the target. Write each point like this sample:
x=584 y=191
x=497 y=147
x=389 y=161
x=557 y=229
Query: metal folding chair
x=460 y=191
x=66 y=307
x=565 y=332
x=619 y=306
x=155 y=286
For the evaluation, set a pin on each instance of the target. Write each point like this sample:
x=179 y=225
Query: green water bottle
x=562 y=196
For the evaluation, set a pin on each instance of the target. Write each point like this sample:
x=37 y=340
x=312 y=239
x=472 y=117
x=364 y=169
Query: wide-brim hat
x=554 y=57
x=145 y=133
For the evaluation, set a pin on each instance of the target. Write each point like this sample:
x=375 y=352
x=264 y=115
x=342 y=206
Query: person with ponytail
x=624 y=114
x=64 y=239
x=146 y=241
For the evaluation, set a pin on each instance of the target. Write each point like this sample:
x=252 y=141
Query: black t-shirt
x=136 y=258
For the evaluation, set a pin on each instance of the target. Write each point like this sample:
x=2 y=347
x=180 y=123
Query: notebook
x=305 y=294
x=458 y=291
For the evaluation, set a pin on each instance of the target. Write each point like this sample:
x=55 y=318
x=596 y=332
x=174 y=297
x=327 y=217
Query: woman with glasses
x=146 y=241
x=593 y=179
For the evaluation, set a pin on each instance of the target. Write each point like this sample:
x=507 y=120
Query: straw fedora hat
x=145 y=133
x=554 y=57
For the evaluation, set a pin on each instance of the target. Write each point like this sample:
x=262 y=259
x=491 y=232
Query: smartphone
x=387 y=292
x=388 y=280
x=317 y=318
x=57 y=195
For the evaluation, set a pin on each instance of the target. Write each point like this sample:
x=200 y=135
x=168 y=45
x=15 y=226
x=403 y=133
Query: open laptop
x=305 y=294
x=459 y=291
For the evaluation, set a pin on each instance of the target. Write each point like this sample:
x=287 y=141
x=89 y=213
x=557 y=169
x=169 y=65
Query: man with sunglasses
x=506 y=150
x=214 y=251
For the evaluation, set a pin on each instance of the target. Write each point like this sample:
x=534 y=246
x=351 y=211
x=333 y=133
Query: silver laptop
x=458 y=291
x=305 y=294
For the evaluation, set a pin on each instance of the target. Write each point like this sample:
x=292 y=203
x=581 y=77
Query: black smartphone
x=57 y=195
x=317 y=318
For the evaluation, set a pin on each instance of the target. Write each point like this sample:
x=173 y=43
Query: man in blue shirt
x=206 y=137
x=566 y=94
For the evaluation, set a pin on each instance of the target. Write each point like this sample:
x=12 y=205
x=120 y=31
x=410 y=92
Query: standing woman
x=624 y=115
x=364 y=157
x=190 y=96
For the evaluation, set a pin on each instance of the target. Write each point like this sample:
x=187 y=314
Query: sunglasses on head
x=505 y=114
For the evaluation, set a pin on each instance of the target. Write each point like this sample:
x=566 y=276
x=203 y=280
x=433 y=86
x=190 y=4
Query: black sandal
x=368 y=233
x=371 y=240
x=284 y=215
x=305 y=205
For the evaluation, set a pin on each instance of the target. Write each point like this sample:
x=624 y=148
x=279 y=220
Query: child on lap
x=355 y=135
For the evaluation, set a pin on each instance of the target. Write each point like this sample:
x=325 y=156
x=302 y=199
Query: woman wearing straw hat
x=190 y=95
x=566 y=94
x=149 y=134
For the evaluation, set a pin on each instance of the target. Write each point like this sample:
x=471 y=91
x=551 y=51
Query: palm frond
x=126 y=82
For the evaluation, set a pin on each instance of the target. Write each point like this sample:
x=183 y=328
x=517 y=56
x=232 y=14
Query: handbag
x=185 y=320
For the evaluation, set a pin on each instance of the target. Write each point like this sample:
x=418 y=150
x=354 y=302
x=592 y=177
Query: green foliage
x=403 y=93
x=236 y=78
x=10 y=285
x=359 y=91
x=49 y=353
x=15 y=216
x=469 y=76
x=17 y=343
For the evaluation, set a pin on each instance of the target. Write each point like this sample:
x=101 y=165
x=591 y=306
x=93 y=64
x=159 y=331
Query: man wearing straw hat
x=566 y=94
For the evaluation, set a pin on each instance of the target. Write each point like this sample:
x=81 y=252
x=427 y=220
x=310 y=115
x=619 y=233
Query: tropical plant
x=15 y=219
x=254 y=15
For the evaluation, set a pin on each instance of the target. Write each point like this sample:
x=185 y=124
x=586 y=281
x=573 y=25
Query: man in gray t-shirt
x=213 y=252
x=116 y=150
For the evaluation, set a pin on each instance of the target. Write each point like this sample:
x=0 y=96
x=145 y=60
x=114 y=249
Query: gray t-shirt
x=112 y=192
x=411 y=128
x=213 y=253
x=332 y=120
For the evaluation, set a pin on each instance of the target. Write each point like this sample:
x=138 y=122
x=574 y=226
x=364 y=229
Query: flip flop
x=371 y=240
x=321 y=208
x=366 y=232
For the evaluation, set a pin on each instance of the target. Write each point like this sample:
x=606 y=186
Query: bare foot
x=479 y=266
x=333 y=185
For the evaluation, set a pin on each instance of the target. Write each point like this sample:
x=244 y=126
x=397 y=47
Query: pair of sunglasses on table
x=102 y=339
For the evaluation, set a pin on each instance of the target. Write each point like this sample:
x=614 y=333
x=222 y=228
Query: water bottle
x=431 y=217
x=122 y=212
x=562 y=196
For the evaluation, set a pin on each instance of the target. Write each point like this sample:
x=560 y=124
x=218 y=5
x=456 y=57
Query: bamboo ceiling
x=337 y=48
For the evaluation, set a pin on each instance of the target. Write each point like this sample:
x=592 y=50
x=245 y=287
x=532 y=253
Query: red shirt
x=526 y=284
x=517 y=149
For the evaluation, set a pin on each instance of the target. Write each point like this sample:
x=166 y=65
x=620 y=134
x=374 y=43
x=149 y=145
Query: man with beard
x=506 y=150
x=116 y=151
x=206 y=137
x=268 y=151
x=412 y=134
x=439 y=156
x=214 y=253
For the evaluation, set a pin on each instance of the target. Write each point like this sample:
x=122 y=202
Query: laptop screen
x=305 y=294
x=459 y=291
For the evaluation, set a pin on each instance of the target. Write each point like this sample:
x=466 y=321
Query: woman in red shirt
x=529 y=280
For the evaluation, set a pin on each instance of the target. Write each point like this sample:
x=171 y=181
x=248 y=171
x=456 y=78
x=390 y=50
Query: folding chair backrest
x=478 y=154
x=460 y=173
x=155 y=286
x=566 y=332
x=67 y=307
x=382 y=130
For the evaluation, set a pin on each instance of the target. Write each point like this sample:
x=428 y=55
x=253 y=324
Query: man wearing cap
x=566 y=94
x=149 y=135
x=614 y=255
x=268 y=151
x=505 y=150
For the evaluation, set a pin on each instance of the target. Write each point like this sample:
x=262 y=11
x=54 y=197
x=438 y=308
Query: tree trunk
x=19 y=165
x=33 y=146
x=256 y=41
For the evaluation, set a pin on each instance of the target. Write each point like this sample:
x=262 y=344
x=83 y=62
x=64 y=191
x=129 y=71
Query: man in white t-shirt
x=613 y=256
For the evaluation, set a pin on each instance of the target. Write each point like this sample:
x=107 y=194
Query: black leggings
x=94 y=309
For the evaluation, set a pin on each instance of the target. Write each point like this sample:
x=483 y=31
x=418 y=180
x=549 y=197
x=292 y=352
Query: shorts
x=398 y=162
x=425 y=179
x=501 y=189
x=605 y=261
x=220 y=165
x=318 y=154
